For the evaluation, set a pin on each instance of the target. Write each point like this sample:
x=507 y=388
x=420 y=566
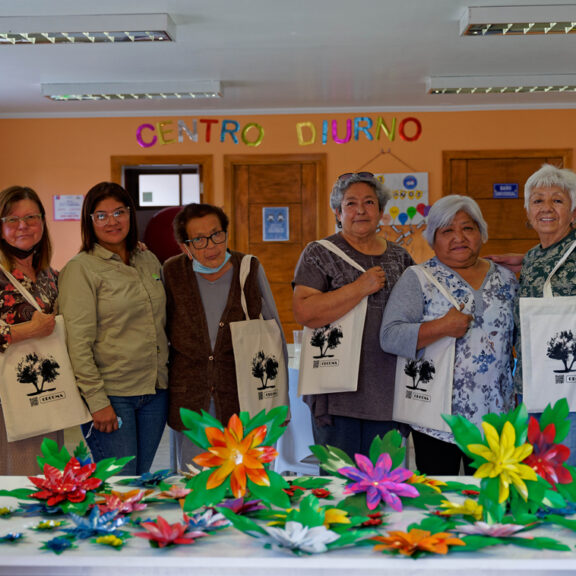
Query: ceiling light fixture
x=501 y=84
x=518 y=20
x=87 y=29
x=133 y=90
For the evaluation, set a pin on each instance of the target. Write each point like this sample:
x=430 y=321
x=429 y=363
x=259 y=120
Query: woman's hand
x=105 y=420
x=372 y=280
x=454 y=323
x=40 y=326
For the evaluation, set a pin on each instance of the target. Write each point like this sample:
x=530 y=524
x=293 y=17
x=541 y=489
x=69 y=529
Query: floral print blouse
x=14 y=308
x=483 y=361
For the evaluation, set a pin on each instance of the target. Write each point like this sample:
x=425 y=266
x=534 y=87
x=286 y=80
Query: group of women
x=145 y=341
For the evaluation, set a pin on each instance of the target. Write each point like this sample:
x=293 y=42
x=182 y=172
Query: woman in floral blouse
x=417 y=315
x=25 y=250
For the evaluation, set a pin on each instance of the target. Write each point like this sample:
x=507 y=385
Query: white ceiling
x=289 y=56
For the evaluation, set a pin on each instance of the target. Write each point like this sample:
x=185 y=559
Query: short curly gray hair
x=383 y=193
x=443 y=211
x=549 y=176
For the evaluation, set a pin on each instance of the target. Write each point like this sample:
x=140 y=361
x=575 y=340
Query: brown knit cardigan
x=196 y=372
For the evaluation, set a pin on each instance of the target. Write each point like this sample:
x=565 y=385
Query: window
x=155 y=187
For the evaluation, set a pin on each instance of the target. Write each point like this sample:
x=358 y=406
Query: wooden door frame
x=204 y=161
x=319 y=160
x=449 y=155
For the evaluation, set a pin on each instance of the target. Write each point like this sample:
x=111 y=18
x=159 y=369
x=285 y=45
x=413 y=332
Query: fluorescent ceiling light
x=133 y=90
x=88 y=29
x=501 y=84
x=518 y=20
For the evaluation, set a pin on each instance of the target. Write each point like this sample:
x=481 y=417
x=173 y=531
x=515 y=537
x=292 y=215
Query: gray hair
x=549 y=176
x=383 y=193
x=444 y=210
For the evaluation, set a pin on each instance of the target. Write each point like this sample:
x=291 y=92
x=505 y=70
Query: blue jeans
x=143 y=421
x=353 y=435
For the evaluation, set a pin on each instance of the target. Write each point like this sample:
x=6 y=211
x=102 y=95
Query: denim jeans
x=143 y=422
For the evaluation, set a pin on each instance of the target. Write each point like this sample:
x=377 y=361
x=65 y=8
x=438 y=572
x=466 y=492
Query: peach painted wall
x=68 y=156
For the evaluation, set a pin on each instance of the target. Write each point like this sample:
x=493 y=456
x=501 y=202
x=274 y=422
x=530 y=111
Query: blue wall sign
x=505 y=190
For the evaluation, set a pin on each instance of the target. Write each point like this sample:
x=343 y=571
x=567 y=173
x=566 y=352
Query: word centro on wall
x=252 y=134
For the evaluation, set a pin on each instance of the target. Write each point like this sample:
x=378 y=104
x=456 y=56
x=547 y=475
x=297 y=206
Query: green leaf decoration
x=391 y=444
x=311 y=482
x=273 y=421
x=355 y=505
x=53 y=455
x=433 y=524
x=428 y=497
x=476 y=542
x=465 y=433
x=352 y=538
x=310 y=512
x=202 y=496
x=568 y=491
x=538 y=543
x=493 y=511
x=20 y=493
x=557 y=415
x=242 y=523
x=196 y=424
x=459 y=487
x=561 y=521
x=273 y=494
x=110 y=467
x=80 y=508
x=331 y=458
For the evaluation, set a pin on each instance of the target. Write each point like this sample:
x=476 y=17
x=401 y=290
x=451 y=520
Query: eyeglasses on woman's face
x=29 y=220
x=201 y=242
x=101 y=218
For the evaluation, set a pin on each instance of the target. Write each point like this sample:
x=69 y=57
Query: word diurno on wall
x=252 y=133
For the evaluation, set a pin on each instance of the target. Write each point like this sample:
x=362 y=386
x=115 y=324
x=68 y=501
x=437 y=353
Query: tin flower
x=493 y=530
x=295 y=536
x=240 y=507
x=71 y=485
x=123 y=502
x=175 y=493
x=548 y=458
x=96 y=524
x=110 y=540
x=11 y=538
x=46 y=525
x=59 y=544
x=162 y=534
x=6 y=512
x=379 y=482
x=427 y=481
x=468 y=508
x=207 y=521
x=503 y=460
x=238 y=456
x=417 y=541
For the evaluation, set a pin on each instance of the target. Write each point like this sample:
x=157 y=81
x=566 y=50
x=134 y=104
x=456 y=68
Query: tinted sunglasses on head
x=348 y=175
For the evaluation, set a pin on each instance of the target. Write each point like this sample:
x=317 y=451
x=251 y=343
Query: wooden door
x=474 y=173
x=294 y=182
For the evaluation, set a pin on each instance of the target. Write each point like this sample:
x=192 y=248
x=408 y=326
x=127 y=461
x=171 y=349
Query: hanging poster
x=409 y=203
x=275 y=224
x=68 y=207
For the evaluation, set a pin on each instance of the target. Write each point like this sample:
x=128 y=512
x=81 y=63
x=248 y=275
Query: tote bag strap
x=21 y=289
x=547 y=284
x=440 y=287
x=339 y=252
x=244 y=271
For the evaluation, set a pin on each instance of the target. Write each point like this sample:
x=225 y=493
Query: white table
x=231 y=552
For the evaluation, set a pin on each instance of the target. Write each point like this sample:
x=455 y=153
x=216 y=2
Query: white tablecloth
x=231 y=552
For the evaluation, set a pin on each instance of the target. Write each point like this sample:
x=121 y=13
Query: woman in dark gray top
x=326 y=288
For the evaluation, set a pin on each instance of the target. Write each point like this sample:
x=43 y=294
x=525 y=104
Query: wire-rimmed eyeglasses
x=201 y=242
x=102 y=218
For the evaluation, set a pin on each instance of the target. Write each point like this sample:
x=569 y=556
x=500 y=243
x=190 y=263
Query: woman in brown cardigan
x=203 y=297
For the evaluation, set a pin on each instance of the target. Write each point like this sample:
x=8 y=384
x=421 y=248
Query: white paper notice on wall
x=409 y=202
x=68 y=206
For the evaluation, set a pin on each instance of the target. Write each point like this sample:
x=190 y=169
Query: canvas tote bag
x=330 y=356
x=548 y=327
x=423 y=387
x=261 y=371
x=37 y=384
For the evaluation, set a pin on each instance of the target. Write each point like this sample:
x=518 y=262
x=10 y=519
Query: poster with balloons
x=405 y=214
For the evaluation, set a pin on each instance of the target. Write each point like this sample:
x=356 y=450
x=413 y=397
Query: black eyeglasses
x=201 y=242
x=348 y=175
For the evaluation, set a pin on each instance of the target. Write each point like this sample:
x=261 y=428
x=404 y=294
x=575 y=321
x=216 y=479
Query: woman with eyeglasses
x=204 y=296
x=114 y=306
x=327 y=288
x=25 y=251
